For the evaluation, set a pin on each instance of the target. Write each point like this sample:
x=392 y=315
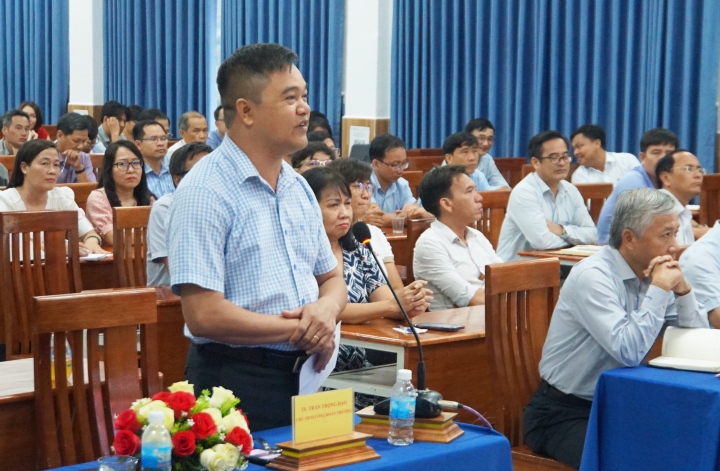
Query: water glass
x=117 y=463
x=398 y=223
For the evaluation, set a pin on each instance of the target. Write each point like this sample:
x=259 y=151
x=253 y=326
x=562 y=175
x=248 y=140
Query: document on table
x=94 y=257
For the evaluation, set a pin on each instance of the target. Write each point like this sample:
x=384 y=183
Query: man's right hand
x=112 y=126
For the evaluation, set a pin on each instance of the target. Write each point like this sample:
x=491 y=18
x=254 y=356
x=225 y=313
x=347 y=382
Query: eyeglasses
x=318 y=163
x=397 y=166
x=556 y=158
x=360 y=186
x=156 y=139
x=692 y=169
x=124 y=165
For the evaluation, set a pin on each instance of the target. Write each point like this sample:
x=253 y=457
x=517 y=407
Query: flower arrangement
x=208 y=432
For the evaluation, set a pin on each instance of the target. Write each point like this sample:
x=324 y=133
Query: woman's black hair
x=26 y=154
x=141 y=193
x=38 y=113
x=321 y=179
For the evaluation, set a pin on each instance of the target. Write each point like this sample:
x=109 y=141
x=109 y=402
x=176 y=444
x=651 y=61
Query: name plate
x=322 y=415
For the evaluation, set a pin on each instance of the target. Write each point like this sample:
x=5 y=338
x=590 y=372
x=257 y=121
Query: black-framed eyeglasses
x=556 y=158
x=360 y=186
x=156 y=139
x=396 y=166
x=125 y=166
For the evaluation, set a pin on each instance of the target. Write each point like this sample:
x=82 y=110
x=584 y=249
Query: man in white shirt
x=545 y=211
x=193 y=128
x=680 y=175
x=450 y=255
x=701 y=264
x=596 y=164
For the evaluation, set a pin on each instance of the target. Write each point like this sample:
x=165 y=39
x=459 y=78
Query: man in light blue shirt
x=654 y=144
x=112 y=122
x=484 y=132
x=701 y=264
x=611 y=310
x=248 y=254
x=216 y=136
x=461 y=149
x=545 y=211
x=151 y=138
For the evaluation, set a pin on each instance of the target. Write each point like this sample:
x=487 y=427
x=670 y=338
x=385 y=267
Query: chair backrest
x=527 y=169
x=81 y=191
x=360 y=152
x=130 y=245
x=9 y=162
x=494 y=209
x=34 y=268
x=413 y=177
x=710 y=199
x=595 y=195
x=511 y=168
x=75 y=422
x=424 y=163
x=519 y=301
x=428 y=151
x=97 y=163
x=51 y=130
x=415 y=227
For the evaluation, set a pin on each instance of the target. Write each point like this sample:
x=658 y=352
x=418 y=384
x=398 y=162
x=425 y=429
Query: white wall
x=86 y=52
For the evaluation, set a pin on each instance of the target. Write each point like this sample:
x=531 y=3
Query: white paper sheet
x=310 y=380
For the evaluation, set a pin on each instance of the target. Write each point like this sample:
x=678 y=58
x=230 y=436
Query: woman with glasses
x=122 y=183
x=316 y=154
x=32 y=188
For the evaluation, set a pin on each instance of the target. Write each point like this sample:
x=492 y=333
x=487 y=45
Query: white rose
x=205 y=457
x=139 y=404
x=235 y=419
x=183 y=386
x=215 y=414
x=219 y=396
x=227 y=455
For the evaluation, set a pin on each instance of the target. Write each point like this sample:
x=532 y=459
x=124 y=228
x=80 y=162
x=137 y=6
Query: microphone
x=427 y=404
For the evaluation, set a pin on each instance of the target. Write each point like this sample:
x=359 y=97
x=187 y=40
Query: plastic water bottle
x=156 y=444
x=402 y=410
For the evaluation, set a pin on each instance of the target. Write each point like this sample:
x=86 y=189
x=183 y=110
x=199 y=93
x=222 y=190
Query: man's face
x=465 y=204
x=652 y=154
x=391 y=168
x=587 y=152
x=685 y=179
x=154 y=144
x=74 y=141
x=486 y=139
x=552 y=172
x=658 y=239
x=17 y=133
x=197 y=130
x=465 y=155
x=220 y=123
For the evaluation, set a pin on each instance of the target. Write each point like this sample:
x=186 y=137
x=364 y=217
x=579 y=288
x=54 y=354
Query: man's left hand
x=317 y=324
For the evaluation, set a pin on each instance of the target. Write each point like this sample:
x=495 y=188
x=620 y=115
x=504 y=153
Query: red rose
x=241 y=438
x=162 y=396
x=183 y=444
x=203 y=425
x=128 y=420
x=181 y=402
x=126 y=443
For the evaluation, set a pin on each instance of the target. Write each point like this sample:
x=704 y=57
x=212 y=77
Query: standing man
x=484 y=132
x=151 y=139
x=193 y=128
x=113 y=117
x=215 y=137
x=72 y=134
x=596 y=164
x=260 y=287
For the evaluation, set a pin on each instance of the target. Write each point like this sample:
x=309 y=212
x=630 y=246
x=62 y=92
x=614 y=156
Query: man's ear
x=244 y=111
x=535 y=162
x=446 y=205
x=629 y=239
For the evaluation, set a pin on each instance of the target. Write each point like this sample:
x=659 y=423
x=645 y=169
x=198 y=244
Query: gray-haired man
x=611 y=309
x=193 y=128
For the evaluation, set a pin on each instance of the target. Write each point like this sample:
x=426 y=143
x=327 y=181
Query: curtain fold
x=34 y=57
x=311 y=28
x=531 y=65
x=156 y=53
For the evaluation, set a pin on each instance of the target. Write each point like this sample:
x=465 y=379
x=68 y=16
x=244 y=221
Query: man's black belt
x=548 y=390
x=265 y=357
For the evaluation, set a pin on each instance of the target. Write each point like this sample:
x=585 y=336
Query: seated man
x=680 y=175
x=325 y=138
x=461 y=148
x=92 y=133
x=113 y=117
x=133 y=112
x=215 y=137
x=319 y=122
x=611 y=309
x=193 y=128
x=180 y=164
x=151 y=139
x=596 y=164
x=484 y=132
x=654 y=144
x=156 y=115
x=450 y=255
x=545 y=211
x=701 y=264
x=72 y=134
x=15 y=129
x=392 y=195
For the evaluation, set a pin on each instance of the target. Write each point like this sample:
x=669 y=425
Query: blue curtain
x=531 y=65
x=311 y=28
x=33 y=55
x=155 y=54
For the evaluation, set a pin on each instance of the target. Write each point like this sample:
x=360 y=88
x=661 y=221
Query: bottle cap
x=404 y=375
x=156 y=417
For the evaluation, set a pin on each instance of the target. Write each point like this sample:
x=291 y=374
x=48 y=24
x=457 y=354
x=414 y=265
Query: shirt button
x=302 y=300
x=294 y=267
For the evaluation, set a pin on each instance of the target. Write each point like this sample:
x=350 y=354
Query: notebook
x=690 y=349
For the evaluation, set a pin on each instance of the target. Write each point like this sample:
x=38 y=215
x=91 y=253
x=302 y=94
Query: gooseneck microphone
x=427 y=405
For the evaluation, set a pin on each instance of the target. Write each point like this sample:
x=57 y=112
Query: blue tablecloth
x=478 y=448
x=648 y=418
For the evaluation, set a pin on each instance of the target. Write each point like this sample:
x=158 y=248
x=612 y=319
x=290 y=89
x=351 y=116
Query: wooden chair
x=51 y=130
x=404 y=254
x=519 y=301
x=75 y=422
x=9 y=162
x=130 y=245
x=511 y=168
x=494 y=209
x=97 y=163
x=33 y=269
x=527 y=169
x=425 y=151
x=425 y=162
x=413 y=177
x=710 y=199
x=595 y=195
x=81 y=191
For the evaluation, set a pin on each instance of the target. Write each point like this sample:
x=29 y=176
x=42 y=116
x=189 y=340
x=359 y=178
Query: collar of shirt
x=624 y=272
x=378 y=189
x=163 y=169
x=449 y=234
x=544 y=188
x=681 y=209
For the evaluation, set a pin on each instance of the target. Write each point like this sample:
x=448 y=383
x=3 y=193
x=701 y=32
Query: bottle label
x=155 y=455
x=402 y=407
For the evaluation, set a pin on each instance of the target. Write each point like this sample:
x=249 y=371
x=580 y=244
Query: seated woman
x=316 y=154
x=122 y=183
x=36 y=120
x=32 y=188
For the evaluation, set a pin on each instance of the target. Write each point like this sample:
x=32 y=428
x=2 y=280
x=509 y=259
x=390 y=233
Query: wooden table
x=567 y=260
x=458 y=364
